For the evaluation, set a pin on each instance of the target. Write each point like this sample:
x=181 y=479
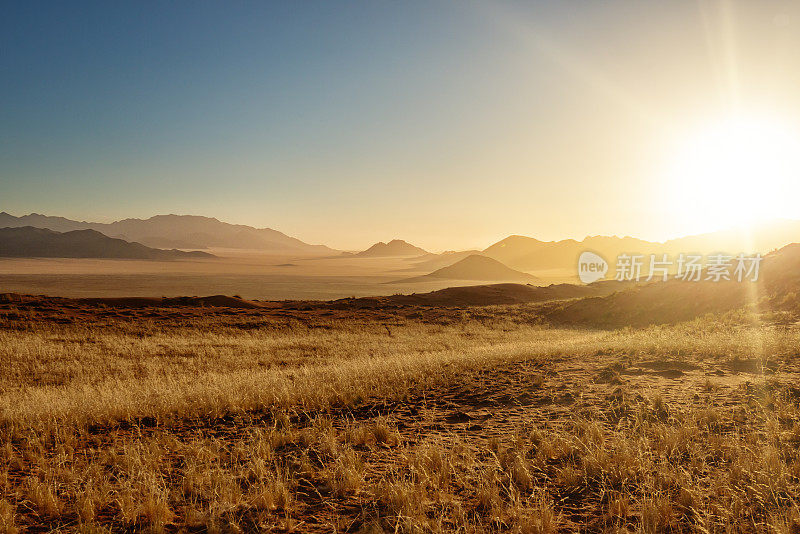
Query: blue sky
x=451 y=124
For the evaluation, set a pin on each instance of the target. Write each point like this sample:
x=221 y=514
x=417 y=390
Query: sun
x=735 y=172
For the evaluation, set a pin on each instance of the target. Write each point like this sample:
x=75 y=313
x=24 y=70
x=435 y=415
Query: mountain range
x=518 y=253
x=30 y=242
x=529 y=254
x=177 y=231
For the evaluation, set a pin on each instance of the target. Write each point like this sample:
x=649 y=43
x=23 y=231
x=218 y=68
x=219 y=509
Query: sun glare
x=736 y=172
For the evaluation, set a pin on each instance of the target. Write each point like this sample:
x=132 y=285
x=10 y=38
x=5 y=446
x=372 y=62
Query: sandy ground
x=249 y=274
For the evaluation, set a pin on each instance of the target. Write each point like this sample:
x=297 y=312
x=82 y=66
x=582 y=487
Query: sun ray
x=538 y=41
x=719 y=25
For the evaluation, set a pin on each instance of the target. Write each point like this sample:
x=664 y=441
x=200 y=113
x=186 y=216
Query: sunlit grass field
x=356 y=425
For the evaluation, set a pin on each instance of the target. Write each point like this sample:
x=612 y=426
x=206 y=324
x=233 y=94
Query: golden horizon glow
x=738 y=171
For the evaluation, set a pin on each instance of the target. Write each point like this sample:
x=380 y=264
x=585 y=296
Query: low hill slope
x=213 y=301
x=476 y=267
x=778 y=288
x=485 y=295
x=655 y=303
x=29 y=242
x=431 y=262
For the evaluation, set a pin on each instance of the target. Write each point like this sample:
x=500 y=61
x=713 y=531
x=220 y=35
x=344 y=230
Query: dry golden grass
x=355 y=427
x=119 y=377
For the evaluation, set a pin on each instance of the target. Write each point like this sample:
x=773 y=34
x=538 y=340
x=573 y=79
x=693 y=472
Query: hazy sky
x=448 y=124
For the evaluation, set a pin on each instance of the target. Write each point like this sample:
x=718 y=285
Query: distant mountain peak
x=395 y=247
x=477 y=267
